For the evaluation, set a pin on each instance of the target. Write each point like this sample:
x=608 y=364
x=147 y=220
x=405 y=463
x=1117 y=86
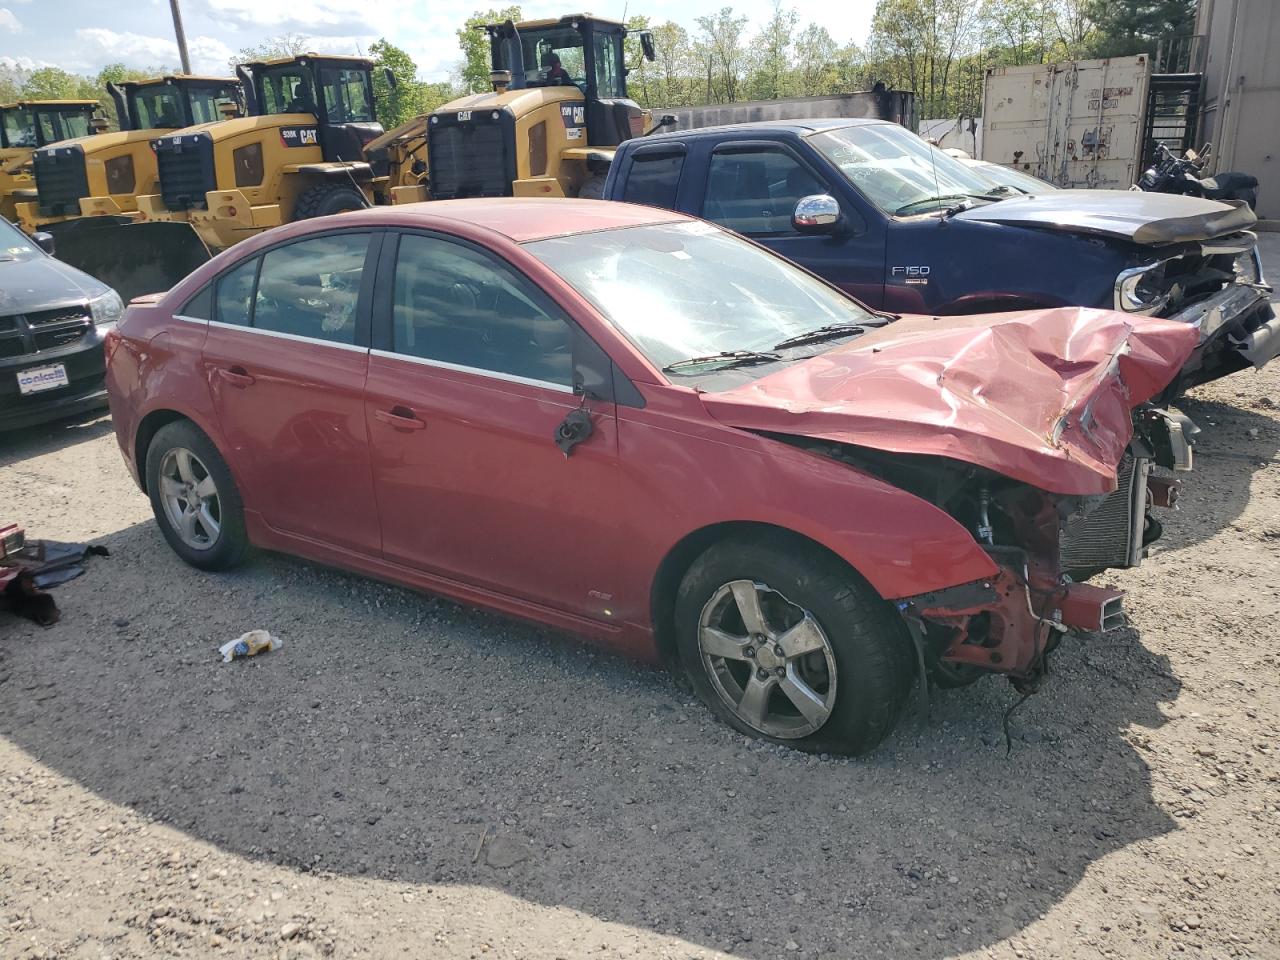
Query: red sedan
x=632 y=425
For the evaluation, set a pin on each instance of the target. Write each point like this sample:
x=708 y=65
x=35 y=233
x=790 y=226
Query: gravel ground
x=409 y=777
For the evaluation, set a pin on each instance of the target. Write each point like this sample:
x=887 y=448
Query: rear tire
x=327 y=199
x=592 y=188
x=833 y=666
x=194 y=498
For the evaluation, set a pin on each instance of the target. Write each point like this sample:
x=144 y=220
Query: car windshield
x=1022 y=182
x=899 y=172
x=689 y=290
x=14 y=244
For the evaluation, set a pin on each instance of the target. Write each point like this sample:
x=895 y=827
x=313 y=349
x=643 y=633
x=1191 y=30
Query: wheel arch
x=152 y=423
x=677 y=561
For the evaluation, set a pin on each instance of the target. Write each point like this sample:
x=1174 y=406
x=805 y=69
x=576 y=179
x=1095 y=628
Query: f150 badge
x=917 y=275
x=299 y=136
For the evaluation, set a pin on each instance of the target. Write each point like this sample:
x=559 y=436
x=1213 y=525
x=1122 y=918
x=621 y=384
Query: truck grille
x=29 y=333
x=471 y=158
x=61 y=181
x=1110 y=536
x=186 y=170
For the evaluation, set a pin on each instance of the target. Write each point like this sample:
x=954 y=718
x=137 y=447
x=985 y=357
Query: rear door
x=752 y=187
x=463 y=405
x=286 y=359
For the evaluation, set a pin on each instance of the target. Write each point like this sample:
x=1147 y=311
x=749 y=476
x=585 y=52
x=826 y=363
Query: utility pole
x=181 y=35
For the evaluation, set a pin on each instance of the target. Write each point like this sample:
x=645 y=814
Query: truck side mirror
x=646 y=44
x=819 y=213
x=390 y=77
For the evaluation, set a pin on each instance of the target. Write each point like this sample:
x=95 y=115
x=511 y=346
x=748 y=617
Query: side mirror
x=390 y=77
x=646 y=44
x=44 y=241
x=819 y=213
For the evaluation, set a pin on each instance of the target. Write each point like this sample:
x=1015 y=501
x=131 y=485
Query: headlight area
x=106 y=309
x=1141 y=289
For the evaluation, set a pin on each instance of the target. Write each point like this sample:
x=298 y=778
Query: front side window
x=608 y=56
x=74 y=125
x=312 y=288
x=899 y=172
x=458 y=306
x=234 y=296
x=20 y=128
x=204 y=102
x=287 y=90
x=348 y=97
x=48 y=128
x=686 y=290
x=755 y=191
x=159 y=108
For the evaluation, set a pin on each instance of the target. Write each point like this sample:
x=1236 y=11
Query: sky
x=83 y=35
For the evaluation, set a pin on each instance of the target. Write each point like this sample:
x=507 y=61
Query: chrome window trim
x=288 y=336
x=478 y=371
x=186 y=319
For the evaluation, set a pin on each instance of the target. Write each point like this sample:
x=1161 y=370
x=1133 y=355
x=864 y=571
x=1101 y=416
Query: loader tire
x=328 y=198
x=592 y=188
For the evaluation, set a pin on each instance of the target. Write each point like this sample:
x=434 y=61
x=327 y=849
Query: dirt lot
x=411 y=778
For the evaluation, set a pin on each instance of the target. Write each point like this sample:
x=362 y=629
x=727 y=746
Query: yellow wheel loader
x=26 y=126
x=558 y=108
x=299 y=154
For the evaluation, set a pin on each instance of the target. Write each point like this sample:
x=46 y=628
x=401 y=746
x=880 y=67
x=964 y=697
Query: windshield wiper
x=830 y=332
x=941 y=200
x=727 y=358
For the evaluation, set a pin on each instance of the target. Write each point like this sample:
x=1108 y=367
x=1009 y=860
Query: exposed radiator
x=1110 y=536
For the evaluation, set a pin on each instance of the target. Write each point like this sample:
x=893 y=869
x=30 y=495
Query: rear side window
x=755 y=191
x=312 y=288
x=235 y=294
x=199 y=307
x=654 y=179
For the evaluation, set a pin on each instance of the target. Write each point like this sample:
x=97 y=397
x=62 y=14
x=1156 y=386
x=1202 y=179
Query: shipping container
x=1075 y=124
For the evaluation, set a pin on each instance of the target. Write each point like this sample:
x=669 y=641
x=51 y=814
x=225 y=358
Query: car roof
x=521 y=219
x=798 y=127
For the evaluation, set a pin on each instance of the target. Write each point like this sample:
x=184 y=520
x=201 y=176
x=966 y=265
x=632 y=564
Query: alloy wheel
x=190 y=498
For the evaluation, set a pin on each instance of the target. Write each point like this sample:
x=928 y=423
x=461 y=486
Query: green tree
x=721 y=54
x=473 y=71
x=394 y=105
x=816 y=58
x=51 y=83
x=283 y=45
x=1126 y=27
x=772 y=48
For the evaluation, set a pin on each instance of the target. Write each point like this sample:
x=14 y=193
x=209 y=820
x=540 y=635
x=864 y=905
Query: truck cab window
x=204 y=102
x=287 y=90
x=608 y=57
x=159 y=108
x=755 y=191
x=347 y=95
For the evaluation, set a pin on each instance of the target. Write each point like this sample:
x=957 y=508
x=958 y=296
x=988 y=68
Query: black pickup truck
x=870 y=207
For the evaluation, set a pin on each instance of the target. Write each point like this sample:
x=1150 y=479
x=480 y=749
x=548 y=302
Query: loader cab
x=29 y=124
x=336 y=91
x=171 y=103
x=580 y=51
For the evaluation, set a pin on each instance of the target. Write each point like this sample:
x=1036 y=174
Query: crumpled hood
x=1146 y=218
x=1043 y=396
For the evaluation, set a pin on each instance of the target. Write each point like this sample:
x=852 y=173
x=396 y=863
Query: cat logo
x=299 y=136
x=464 y=116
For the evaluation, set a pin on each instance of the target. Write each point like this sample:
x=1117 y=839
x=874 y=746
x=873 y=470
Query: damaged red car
x=633 y=425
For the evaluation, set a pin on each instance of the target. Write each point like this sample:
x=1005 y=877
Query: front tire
x=194 y=498
x=786 y=643
x=328 y=199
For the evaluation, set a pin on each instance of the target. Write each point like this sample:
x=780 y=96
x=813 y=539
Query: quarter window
x=755 y=191
x=235 y=294
x=455 y=305
x=312 y=288
x=199 y=307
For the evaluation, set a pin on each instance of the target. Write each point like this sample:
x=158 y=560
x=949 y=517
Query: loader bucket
x=133 y=258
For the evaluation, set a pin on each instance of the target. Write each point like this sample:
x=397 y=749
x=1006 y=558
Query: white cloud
x=209 y=55
x=9 y=21
x=297 y=16
x=24 y=63
x=95 y=47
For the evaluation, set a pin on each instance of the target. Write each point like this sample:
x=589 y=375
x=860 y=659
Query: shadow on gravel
x=17 y=445
x=1234 y=444
x=393 y=731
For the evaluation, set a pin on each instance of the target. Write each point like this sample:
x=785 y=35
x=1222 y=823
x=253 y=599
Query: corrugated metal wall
x=1241 y=113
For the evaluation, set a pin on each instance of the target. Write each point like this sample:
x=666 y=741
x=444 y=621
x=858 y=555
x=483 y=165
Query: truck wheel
x=194 y=498
x=326 y=199
x=786 y=643
x=592 y=188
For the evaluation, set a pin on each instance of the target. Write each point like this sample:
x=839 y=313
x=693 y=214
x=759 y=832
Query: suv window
x=311 y=288
x=755 y=191
x=456 y=305
x=235 y=293
x=654 y=178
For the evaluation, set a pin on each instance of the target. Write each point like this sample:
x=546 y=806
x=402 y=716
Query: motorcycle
x=1174 y=174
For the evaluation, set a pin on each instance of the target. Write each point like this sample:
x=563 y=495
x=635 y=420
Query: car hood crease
x=1043 y=396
